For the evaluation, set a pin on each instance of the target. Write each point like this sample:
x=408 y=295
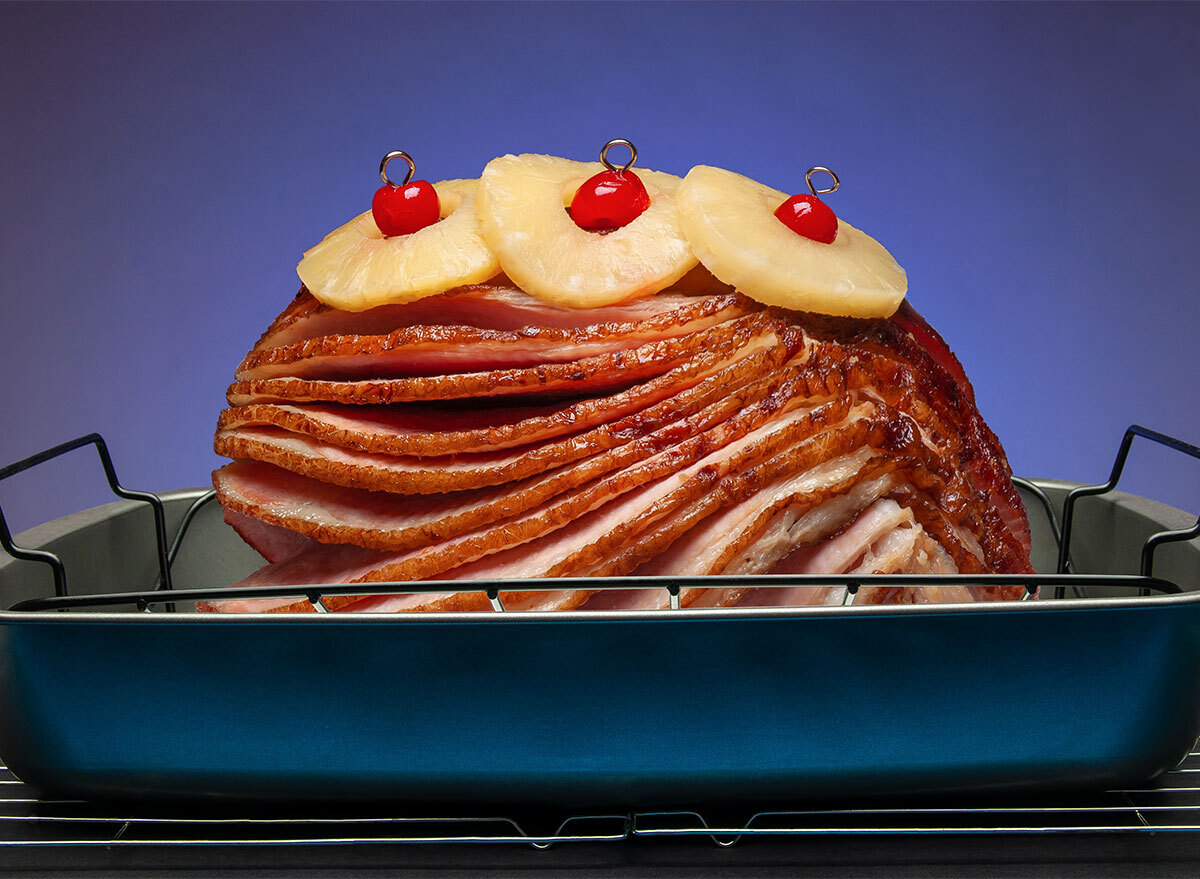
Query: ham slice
x=272 y=542
x=627 y=599
x=907 y=364
x=481 y=434
x=434 y=430
x=439 y=349
x=587 y=375
x=496 y=305
x=659 y=481
x=852 y=548
x=334 y=514
x=658 y=539
x=331 y=564
x=578 y=547
x=733 y=385
x=721 y=544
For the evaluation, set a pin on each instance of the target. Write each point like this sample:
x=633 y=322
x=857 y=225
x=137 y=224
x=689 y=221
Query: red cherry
x=400 y=210
x=807 y=215
x=609 y=200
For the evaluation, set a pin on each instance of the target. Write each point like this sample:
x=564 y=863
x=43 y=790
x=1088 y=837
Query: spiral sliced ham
x=495 y=306
x=484 y=435
x=378 y=519
x=433 y=349
x=344 y=448
x=593 y=374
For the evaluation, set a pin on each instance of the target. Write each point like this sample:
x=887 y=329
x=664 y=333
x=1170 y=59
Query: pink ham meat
x=602 y=373
x=575 y=547
x=427 y=349
x=334 y=564
x=335 y=514
x=485 y=435
x=493 y=306
x=344 y=449
x=272 y=542
x=657 y=483
x=430 y=430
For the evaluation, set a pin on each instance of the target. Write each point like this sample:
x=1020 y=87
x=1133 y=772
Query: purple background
x=1033 y=167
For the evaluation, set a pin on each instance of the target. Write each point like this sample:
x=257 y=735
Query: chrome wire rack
x=27 y=821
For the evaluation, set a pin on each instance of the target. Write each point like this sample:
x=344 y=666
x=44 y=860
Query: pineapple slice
x=522 y=212
x=731 y=224
x=355 y=267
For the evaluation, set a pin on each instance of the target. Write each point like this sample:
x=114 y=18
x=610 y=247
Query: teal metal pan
x=574 y=709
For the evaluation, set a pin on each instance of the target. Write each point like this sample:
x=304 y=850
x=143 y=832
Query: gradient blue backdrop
x=1034 y=168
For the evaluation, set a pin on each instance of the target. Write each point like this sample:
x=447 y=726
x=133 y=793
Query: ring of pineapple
x=730 y=221
x=355 y=267
x=521 y=213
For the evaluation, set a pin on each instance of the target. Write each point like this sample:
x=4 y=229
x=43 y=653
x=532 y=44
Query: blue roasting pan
x=671 y=708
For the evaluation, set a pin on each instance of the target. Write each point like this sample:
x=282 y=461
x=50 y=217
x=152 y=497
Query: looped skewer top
x=396 y=154
x=837 y=184
x=618 y=141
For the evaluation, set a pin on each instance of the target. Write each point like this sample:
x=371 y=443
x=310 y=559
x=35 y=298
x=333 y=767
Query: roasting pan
x=111 y=692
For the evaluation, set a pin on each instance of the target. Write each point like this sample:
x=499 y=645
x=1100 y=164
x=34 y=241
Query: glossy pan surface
x=585 y=710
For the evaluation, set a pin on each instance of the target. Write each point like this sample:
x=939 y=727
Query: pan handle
x=49 y=558
x=1153 y=541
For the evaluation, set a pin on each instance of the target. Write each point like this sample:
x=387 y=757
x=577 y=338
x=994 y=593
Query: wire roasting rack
x=1171 y=804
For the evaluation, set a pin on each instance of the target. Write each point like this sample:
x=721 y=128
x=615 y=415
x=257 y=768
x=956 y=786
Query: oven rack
x=29 y=822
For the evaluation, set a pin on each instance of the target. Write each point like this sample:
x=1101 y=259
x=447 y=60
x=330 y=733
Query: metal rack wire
x=27 y=821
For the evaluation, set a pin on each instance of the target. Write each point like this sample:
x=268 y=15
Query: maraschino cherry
x=807 y=215
x=403 y=208
x=613 y=198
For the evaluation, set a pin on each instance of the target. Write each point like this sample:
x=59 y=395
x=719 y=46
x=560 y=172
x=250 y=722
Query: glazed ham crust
x=678 y=435
x=589 y=375
x=336 y=447
x=426 y=349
